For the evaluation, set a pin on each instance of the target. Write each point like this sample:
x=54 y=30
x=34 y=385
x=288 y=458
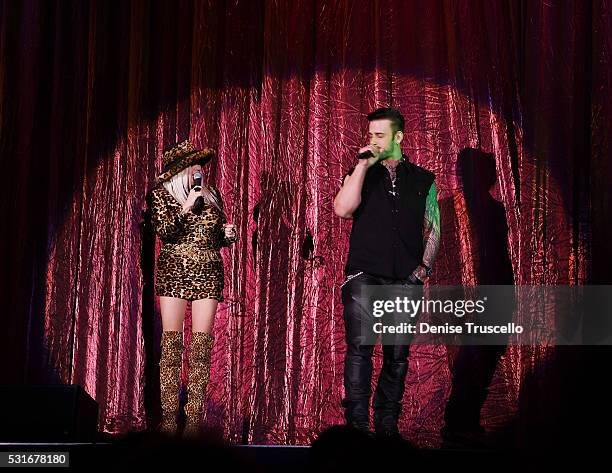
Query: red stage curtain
x=91 y=92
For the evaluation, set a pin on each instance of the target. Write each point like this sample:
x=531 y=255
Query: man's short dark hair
x=393 y=114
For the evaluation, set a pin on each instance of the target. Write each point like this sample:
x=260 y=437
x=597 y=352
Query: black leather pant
x=358 y=363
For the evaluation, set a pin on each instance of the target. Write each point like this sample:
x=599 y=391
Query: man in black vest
x=394 y=240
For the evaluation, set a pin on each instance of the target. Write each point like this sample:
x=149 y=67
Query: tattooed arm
x=431 y=232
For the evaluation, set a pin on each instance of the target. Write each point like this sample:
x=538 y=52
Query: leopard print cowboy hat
x=181 y=156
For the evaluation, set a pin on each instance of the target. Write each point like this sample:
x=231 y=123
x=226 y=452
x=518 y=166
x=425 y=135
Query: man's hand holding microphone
x=370 y=155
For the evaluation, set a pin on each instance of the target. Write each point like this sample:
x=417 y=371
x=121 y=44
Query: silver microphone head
x=197 y=180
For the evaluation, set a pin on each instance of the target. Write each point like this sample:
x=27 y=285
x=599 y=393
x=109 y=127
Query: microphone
x=197 y=186
x=365 y=155
x=197 y=181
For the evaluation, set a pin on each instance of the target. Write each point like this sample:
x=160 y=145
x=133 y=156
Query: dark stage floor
x=139 y=452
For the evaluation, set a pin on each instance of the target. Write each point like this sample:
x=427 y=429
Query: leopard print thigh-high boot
x=199 y=373
x=169 y=379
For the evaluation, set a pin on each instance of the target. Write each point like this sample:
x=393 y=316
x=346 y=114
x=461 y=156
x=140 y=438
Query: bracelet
x=428 y=270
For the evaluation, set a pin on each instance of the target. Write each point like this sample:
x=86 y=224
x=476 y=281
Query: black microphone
x=197 y=186
x=365 y=155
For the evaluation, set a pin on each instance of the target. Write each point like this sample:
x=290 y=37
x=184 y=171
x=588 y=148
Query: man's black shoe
x=362 y=427
x=387 y=434
x=386 y=426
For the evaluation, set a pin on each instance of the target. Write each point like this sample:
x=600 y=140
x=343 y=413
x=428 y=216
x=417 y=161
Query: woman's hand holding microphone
x=191 y=199
x=195 y=202
x=229 y=229
x=192 y=203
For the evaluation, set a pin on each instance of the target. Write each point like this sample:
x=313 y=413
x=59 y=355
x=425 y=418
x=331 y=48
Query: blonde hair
x=178 y=186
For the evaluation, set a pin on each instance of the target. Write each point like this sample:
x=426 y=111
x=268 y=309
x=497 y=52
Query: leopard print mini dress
x=189 y=265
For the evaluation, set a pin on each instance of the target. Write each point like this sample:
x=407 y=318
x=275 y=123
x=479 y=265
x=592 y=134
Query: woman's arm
x=168 y=221
x=224 y=240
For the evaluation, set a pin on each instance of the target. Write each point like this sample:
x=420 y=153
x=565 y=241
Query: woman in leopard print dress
x=191 y=224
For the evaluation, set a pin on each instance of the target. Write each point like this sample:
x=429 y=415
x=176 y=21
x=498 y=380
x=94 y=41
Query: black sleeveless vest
x=387 y=234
